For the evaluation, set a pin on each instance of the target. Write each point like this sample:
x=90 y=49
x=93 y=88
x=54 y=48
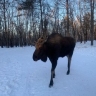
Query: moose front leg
x=54 y=74
x=69 y=62
x=54 y=63
x=51 y=80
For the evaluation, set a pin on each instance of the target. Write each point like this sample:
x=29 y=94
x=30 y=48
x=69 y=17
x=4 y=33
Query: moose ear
x=46 y=37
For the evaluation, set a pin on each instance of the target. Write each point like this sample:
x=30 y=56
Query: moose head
x=40 y=48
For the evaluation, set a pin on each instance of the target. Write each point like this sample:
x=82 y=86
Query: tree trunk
x=41 y=16
x=67 y=6
x=92 y=20
x=4 y=18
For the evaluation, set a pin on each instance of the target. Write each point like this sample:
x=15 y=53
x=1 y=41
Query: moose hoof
x=51 y=84
x=68 y=72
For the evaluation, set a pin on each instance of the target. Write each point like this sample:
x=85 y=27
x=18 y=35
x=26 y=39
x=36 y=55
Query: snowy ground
x=21 y=76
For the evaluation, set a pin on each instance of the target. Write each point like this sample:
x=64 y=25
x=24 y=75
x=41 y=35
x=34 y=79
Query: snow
x=21 y=76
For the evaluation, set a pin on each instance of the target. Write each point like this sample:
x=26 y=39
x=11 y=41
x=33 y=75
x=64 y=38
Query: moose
x=53 y=47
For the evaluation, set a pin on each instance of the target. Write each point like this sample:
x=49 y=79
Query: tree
x=86 y=25
x=67 y=8
x=92 y=20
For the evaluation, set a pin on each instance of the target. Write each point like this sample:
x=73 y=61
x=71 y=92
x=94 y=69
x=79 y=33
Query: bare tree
x=67 y=8
x=92 y=20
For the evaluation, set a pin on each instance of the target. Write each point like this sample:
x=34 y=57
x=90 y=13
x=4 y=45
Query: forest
x=23 y=21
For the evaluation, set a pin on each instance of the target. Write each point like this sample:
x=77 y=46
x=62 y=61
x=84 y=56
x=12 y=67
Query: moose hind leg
x=69 y=63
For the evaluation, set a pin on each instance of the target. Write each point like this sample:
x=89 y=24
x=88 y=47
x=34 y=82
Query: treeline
x=21 y=38
x=24 y=21
x=10 y=39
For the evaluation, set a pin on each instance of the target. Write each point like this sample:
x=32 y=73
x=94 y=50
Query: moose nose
x=35 y=57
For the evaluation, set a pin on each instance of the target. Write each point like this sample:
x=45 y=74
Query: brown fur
x=56 y=39
x=39 y=43
x=41 y=40
x=54 y=47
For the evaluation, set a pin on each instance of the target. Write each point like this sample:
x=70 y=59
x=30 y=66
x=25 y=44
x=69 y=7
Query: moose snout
x=35 y=57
